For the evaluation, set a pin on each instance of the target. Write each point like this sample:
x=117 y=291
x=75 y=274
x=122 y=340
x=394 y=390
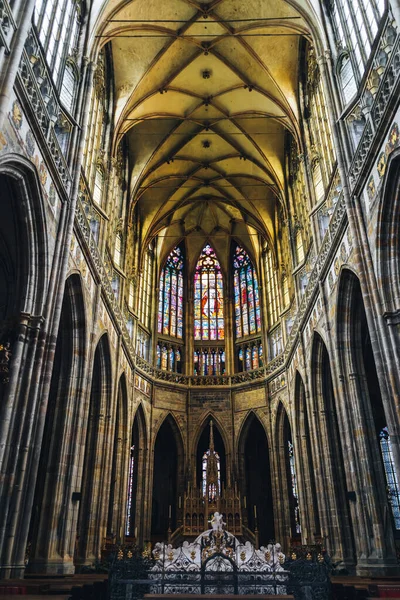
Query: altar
x=218 y=562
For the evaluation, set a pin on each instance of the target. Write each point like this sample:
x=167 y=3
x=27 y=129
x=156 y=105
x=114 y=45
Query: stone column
x=9 y=63
x=384 y=561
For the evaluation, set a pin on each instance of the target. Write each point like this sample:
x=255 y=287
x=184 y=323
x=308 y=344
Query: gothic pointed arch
x=133 y=504
x=204 y=425
x=53 y=499
x=255 y=480
x=210 y=427
x=388 y=235
x=168 y=473
x=329 y=446
x=22 y=202
x=288 y=491
x=306 y=467
x=369 y=411
x=116 y=513
x=93 y=505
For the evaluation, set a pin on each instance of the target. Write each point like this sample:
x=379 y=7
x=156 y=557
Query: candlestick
x=255 y=511
x=245 y=502
x=136 y=532
x=169 y=513
x=179 y=502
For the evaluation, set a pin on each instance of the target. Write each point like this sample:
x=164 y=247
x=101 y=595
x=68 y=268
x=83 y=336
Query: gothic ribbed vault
x=205 y=94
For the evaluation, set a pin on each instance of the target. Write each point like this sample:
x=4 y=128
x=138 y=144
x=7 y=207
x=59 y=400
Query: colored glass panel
x=246 y=295
x=170 y=301
x=208 y=297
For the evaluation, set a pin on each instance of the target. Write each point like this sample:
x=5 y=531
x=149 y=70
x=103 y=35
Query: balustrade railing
x=84 y=227
x=381 y=82
x=42 y=97
x=273 y=366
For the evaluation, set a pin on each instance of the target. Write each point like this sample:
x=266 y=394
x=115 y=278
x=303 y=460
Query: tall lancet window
x=211 y=482
x=129 y=506
x=293 y=476
x=393 y=489
x=170 y=300
x=208 y=297
x=247 y=301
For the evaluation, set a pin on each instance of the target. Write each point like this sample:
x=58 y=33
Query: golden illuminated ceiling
x=205 y=93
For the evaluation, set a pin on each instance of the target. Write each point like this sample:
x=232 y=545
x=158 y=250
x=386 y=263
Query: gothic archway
x=367 y=418
x=255 y=479
x=388 y=235
x=203 y=446
x=52 y=545
x=306 y=469
x=287 y=486
x=116 y=516
x=92 y=521
x=329 y=440
x=134 y=527
x=167 y=479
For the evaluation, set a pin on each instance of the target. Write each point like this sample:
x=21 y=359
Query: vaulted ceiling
x=205 y=93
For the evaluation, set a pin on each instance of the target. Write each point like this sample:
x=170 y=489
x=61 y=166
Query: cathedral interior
x=199 y=277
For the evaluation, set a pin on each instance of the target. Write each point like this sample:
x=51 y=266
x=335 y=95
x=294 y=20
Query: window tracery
x=208 y=297
x=118 y=249
x=145 y=289
x=250 y=356
x=355 y=24
x=169 y=357
x=272 y=295
x=91 y=163
x=212 y=488
x=142 y=344
x=57 y=24
x=129 y=507
x=209 y=361
x=293 y=476
x=319 y=131
x=246 y=295
x=170 y=301
x=393 y=489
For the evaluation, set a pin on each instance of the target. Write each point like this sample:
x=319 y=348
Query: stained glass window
x=272 y=288
x=169 y=358
x=209 y=361
x=118 y=249
x=250 y=356
x=130 y=492
x=170 y=302
x=158 y=356
x=142 y=343
x=145 y=289
x=212 y=492
x=319 y=127
x=393 y=490
x=294 y=487
x=164 y=358
x=208 y=297
x=247 y=302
